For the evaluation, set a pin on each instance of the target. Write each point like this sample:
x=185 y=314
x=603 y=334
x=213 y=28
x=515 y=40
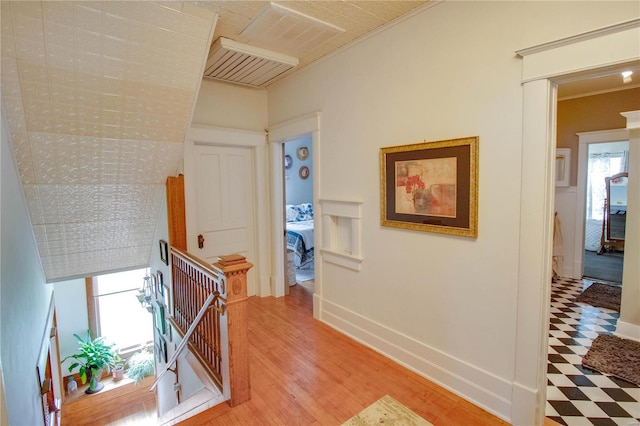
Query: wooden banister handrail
x=209 y=304
x=206 y=267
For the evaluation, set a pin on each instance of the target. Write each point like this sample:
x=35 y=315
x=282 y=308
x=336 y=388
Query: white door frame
x=256 y=141
x=543 y=66
x=278 y=134
x=584 y=139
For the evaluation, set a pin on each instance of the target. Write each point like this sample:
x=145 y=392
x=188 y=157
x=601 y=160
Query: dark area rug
x=614 y=356
x=606 y=266
x=602 y=296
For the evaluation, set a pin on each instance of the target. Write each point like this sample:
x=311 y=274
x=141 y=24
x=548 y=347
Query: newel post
x=234 y=268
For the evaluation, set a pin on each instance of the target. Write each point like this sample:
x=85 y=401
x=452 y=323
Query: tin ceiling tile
x=98 y=102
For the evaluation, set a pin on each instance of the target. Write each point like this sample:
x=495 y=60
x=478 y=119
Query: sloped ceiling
x=98 y=97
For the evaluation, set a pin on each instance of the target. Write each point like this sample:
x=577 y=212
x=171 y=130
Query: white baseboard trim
x=524 y=403
x=316 y=306
x=628 y=331
x=577 y=269
x=477 y=386
x=265 y=286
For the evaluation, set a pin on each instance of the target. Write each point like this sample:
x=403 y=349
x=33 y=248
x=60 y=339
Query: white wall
x=25 y=298
x=227 y=105
x=443 y=305
x=166 y=398
x=72 y=317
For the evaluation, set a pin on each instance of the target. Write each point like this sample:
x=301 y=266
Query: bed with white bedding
x=299 y=229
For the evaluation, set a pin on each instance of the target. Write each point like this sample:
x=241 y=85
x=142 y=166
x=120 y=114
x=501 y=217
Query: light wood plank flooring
x=118 y=404
x=305 y=373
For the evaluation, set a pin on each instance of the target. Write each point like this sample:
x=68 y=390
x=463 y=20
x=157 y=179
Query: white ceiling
x=336 y=24
x=98 y=97
x=599 y=81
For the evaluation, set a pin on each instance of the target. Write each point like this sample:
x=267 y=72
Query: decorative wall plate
x=303 y=172
x=302 y=153
x=288 y=161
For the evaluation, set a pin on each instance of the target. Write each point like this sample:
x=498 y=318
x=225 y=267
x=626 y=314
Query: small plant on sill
x=117 y=367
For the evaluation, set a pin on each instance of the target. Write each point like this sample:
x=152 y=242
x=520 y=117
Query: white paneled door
x=224 y=203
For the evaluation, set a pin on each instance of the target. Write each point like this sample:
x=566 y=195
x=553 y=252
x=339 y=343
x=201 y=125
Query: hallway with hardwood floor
x=303 y=372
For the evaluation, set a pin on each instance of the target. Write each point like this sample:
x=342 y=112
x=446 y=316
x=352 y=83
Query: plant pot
x=118 y=373
x=93 y=377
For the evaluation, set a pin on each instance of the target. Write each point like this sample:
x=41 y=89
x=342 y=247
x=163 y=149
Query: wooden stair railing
x=210 y=311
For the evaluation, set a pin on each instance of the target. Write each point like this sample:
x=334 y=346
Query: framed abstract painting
x=431 y=186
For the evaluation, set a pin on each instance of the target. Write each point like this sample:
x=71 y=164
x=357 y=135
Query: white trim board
x=280 y=133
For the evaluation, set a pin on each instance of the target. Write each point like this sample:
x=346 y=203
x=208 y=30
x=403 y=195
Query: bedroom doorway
x=298 y=212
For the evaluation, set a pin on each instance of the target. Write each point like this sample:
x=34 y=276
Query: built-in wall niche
x=341 y=233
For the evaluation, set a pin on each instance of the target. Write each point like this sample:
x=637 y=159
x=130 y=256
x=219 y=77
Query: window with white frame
x=117 y=315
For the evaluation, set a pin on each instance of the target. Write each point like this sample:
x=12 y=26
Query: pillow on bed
x=299 y=212
x=291 y=213
x=306 y=211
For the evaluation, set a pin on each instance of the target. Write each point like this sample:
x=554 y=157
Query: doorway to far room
x=299 y=219
x=605 y=206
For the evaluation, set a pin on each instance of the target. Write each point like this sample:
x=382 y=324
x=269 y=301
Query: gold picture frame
x=431 y=186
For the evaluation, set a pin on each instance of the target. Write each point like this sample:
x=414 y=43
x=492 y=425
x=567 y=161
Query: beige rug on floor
x=386 y=411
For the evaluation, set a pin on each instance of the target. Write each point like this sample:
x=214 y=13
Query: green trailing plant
x=93 y=356
x=141 y=365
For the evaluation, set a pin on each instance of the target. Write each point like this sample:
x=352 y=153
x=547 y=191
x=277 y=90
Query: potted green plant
x=141 y=365
x=93 y=357
x=117 y=367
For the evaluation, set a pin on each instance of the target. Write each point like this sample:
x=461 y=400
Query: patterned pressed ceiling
x=98 y=97
x=356 y=17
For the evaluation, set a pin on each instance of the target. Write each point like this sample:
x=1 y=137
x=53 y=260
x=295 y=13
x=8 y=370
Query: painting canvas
x=426 y=187
x=431 y=186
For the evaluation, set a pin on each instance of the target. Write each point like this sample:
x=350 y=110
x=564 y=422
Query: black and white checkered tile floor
x=577 y=395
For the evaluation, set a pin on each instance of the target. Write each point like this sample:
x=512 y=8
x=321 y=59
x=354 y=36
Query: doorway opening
x=299 y=211
x=280 y=134
x=605 y=211
x=574 y=393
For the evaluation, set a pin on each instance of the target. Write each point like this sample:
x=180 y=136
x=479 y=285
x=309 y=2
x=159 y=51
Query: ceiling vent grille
x=286 y=30
x=243 y=64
